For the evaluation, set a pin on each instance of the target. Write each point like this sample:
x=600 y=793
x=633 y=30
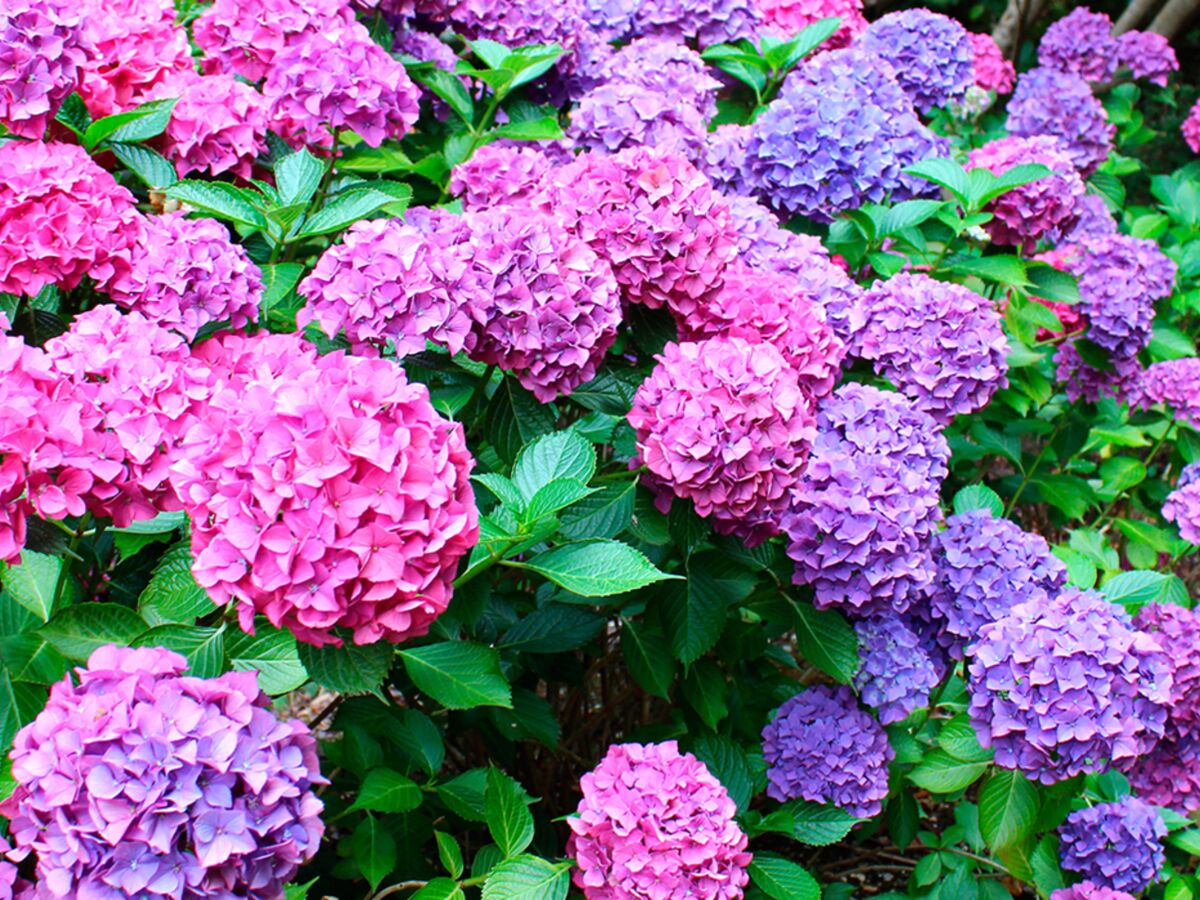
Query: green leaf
x=145 y=121
x=554 y=628
x=727 y=761
x=450 y=853
x=503 y=488
x=564 y=454
x=958 y=738
x=704 y=689
x=811 y=823
x=464 y=794
x=346 y=208
x=604 y=514
x=297 y=176
x=826 y=639
x=386 y=791
x=279 y=284
x=507 y=809
x=1068 y=493
x=451 y=89
x=374 y=849
x=1050 y=283
x=349 y=669
x=978 y=496
x=546 y=128
x=1187 y=841
x=297 y=891
x=595 y=568
x=1170 y=343
x=221 y=200
x=458 y=674
x=550 y=498
x=1015 y=177
x=204 y=648
x=20 y=703
x=149 y=166
x=439 y=889
x=532 y=61
x=944 y=172
x=1004 y=269
x=941 y=773
x=78 y=630
x=28 y=657
x=648 y=656
x=515 y=417
x=810 y=38
x=782 y=879
x=272 y=653
x=1120 y=473
x=527 y=877
x=1133 y=590
x=1008 y=806
x=74 y=114
x=420 y=740
x=172 y=595
x=1043 y=862
x=33 y=582
x=695 y=611
x=908 y=214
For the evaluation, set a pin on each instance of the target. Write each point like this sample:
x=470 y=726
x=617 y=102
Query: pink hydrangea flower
x=724 y=423
x=218 y=124
x=186 y=274
x=43 y=49
x=992 y=71
x=340 y=80
x=1175 y=382
x=61 y=217
x=499 y=174
x=1147 y=55
x=324 y=492
x=654 y=822
x=788 y=17
x=1191 y=128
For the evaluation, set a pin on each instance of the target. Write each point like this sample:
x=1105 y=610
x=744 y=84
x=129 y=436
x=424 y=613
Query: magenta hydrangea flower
x=985 y=567
x=61 y=217
x=897 y=671
x=789 y=17
x=940 y=343
x=655 y=822
x=1044 y=208
x=186 y=274
x=244 y=37
x=340 y=80
x=1178 y=631
x=1083 y=381
x=1061 y=104
x=772 y=307
x=653 y=216
x=324 y=492
x=1066 y=685
x=705 y=21
x=861 y=518
x=139 y=781
x=1081 y=43
x=821 y=746
x=724 y=423
x=1175 y=382
x=1169 y=775
x=931 y=55
x=1117 y=845
x=1191 y=128
x=617 y=115
x=1147 y=55
x=43 y=50
x=669 y=67
x=1086 y=890
x=497 y=175
x=12 y=885
x=218 y=124
x=388 y=281
x=992 y=71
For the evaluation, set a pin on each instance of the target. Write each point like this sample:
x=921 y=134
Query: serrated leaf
x=203 y=648
x=727 y=762
x=78 y=630
x=346 y=208
x=941 y=773
x=811 y=823
x=74 y=114
x=272 y=653
x=1008 y=806
x=464 y=794
x=514 y=417
x=150 y=167
x=458 y=674
x=958 y=738
x=978 y=496
x=944 y=172
x=439 y=889
x=503 y=489
x=349 y=669
x=554 y=628
x=20 y=703
x=219 y=199
x=386 y=791
x=374 y=850
x=564 y=454
x=695 y=611
x=450 y=853
x=595 y=568
x=705 y=689
x=648 y=656
x=29 y=657
x=826 y=639
x=1004 y=269
x=420 y=740
x=1133 y=590
x=172 y=595
x=527 y=877
x=604 y=514
x=138 y=124
x=550 y=498
x=506 y=807
x=782 y=879
x=33 y=583
x=297 y=176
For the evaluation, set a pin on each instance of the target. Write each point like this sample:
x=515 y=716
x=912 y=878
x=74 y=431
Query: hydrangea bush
x=662 y=450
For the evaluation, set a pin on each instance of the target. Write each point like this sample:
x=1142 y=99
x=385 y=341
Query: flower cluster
x=218 y=124
x=667 y=67
x=141 y=781
x=1094 y=221
x=931 y=54
x=723 y=160
x=610 y=20
x=724 y=423
x=788 y=17
x=1175 y=382
x=61 y=217
x=862 y=515
x=1182 y=505
x=705 y=21
x=1061 y=104
x=1081 y=43
x=513 y=25
x=1147 y=55
x=425 y=47
x=1191 y=128
x=939 y=342
x=820 y=746
x=1046 y=207
x=655 y=822
x=985 y=567
x=1087 y=890
x=185 y=274
x=1121 y=381
x=497 y=175
x=43 y=50
x=324 y=491
x=897 y=671
x=1065 y=685
x=992 y=71
x=621 y=114
x=1117 y=845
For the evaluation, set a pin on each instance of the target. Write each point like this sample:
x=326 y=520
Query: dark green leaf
x=727 y=761
x=78 y=630
x=74 y=114
x=648 y=656
x=604 y=514
x=349 y=669
x=514 y=418
x=782 y=879
x=555 y=628
x=458 y=674
x=1008 y=806
x=694 y=613
x=374 y=850
x=508 y=817
x=203 y=648
x=388 y=792
x=826 y=639
x=172 y=594
x=704 y=689
x=450 y=89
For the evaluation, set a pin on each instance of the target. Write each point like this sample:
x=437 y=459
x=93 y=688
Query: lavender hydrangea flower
x=424 y=47
x=985 y=567
x=619 y=115
x=707 y=21
x=611 y=20
x=1084 y=381
x=1182 y=505
x=1116 y=845
x=1147 y=55
x=140 y=779
x=940 y=343
x=516 y=24
x=43 y=48
x=897 y=671
x=723 y=159
x=862 y=516
x=1093 y=221
x=669 y=67
x=1175 y=382
x=1081 y=43
x=930 y=53
x=1064 y=686
x=1086 y=890
x=1061 y=105
x=820 y=746
x=836 y=137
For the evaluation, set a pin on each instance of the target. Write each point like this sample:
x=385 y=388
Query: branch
x=1135 y=13
x=1172 y=18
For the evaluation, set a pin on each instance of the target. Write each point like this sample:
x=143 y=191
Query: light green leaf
x=595 y=568
x=297 y=176
x=149 y=166
x=33 y=582
x=388 y=792
x=78 y=630
x=220 y=199
x=458 y=674
x=957 y=737
x=346 y=208
x=941 y=773
x=29 y=657
x=272 y=653
x=1008 y=805
x=782 y=879
x=1133 y=590
x=564 y=454
x=204 y=648
x=810 y=823
x=450 y=853
x=439 y=889
x=527 y=877
x=978 y=496
x=944 y=172
x=558 y=494
x=506 y=807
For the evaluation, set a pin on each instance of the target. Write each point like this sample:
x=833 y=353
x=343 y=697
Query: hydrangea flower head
x=985 y=567
x=940 y=343
x=788 y=18
x=1061 y=104
x=1191 y=128
x=619 y=114
x=820 y=746
x=610 y=20
x=423 y=46
x=1175 y=382
x=1084 y=381
x=61 y=217
x=655 y=822
x=218 y=124
x=324 y=491
x=992 y=71
x=43 y=50
x=1178 y=631
x=1117 y=845
x=1087 y=890
x=137 y=780
x=931 y=55
x=1045 y=207
x=1081 y=43
x=186 y=273
x=1066 y=685
x=514 y=25
x=1094 y=221
x=668 y=67
x=862 y=515
x=706 y=21
x=496 y=175
x=1147 y=55
x=897 y=671
x=723 y=159
x=1182 y=507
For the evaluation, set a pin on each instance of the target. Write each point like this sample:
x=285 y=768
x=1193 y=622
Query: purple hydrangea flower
x=985 y=567
x=618 y=115
x=707 y=21
x=1084 y=381
x=425 y=47
x=1190 y=129
x=1081 y=43
x=836 y=137
x=611 y=20
x=1066 y=685
x=821 y=746
x=1169 y=775
x=897 y=671
x=864 y=511
x=668 y=67
x=723 y=159
x=1061 y=104
x=940 y=343
x=1182 y=507
x=139 y=778
x=1116 y=845
x=43 y=49
x=1086 y=890
x=1175 y=382
x=1094 y=221
x=1147 y=55
x=930 y=53
x=497 y=175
